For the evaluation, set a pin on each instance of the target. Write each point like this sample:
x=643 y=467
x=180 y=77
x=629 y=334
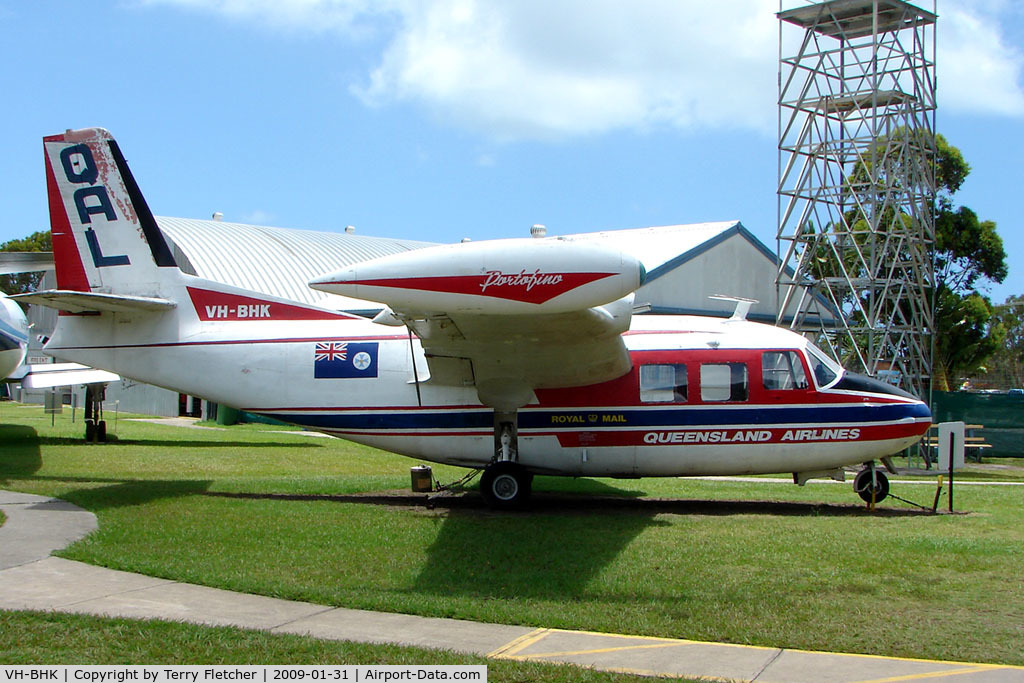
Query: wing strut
x=415 y=372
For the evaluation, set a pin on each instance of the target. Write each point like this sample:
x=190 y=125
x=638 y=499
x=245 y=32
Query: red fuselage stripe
x=509 y=286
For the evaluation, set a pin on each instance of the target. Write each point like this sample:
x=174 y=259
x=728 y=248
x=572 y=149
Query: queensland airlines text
x=752 y=436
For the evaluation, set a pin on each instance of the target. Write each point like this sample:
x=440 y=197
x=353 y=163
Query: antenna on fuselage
x=742 y=305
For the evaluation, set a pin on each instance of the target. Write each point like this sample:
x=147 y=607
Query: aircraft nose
x=852 y=381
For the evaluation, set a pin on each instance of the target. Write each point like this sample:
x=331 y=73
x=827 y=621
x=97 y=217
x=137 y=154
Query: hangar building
x=686 y=264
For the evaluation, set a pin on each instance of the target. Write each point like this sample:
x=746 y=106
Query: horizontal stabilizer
x=85 y=302
x=46 y=375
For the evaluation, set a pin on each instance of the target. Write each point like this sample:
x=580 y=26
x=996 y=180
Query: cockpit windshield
x=825 y=370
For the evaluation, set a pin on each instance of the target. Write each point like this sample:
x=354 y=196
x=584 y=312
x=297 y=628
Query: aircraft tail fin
x=105 y=239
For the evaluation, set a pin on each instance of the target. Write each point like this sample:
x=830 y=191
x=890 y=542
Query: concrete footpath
x=32 y=580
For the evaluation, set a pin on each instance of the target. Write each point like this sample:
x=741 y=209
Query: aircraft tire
x=90 y=430
x=862 y=485
x=506 y=485
x=101 y=431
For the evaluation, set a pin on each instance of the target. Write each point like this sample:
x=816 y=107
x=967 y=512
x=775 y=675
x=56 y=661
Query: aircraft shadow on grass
x=20 y=456
x=21 y=459
x=555 y=548
x=537 y=555
x=134 y=492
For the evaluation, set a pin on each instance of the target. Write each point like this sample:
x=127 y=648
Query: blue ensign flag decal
x=337 y=360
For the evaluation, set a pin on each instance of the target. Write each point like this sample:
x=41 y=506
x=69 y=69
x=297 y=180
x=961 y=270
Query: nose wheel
x=871 y=484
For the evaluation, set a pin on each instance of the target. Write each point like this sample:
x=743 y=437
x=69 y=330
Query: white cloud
x=529 y=69
x=515 y=69
x=978 y=71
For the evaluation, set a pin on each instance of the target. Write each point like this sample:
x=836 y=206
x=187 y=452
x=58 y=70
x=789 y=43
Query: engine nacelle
x=514 y=276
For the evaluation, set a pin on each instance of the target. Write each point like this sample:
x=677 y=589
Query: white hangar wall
x=731 y=267
x=687 y=264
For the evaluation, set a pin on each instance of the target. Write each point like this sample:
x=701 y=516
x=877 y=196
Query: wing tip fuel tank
x=496 y=276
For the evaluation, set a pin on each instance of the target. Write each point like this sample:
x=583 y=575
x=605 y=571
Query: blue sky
x=462 y=118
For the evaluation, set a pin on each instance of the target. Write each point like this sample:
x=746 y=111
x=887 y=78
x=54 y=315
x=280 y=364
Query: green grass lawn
x=765 y=564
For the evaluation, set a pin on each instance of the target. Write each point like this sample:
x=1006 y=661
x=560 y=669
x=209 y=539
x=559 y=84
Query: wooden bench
x=974 y=444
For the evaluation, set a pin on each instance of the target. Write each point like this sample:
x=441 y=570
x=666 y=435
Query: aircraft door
x=783 y=375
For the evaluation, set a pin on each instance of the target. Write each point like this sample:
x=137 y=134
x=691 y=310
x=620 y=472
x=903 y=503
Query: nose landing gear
x=871 y=484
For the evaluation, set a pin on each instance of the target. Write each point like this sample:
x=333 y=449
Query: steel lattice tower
x=856 y=188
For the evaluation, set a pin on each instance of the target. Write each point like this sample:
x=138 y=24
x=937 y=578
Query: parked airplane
x=517 y=357
x=13 y=336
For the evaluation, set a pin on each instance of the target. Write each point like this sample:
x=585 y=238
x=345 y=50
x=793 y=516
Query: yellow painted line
x=939 y=674
x=576 y=653
x=512 y=650
x=674 y=641
x=522 y=642
x=633 y=637
x=806 y=652
x=903 y=659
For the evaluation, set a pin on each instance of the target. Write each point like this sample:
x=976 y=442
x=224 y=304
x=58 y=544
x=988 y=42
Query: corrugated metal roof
x=276 y=261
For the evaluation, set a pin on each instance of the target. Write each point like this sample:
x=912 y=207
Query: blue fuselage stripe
x=11 y=337
x=612 y=417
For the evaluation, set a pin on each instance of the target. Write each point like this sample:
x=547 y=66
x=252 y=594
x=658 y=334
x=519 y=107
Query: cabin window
x=782 y=371
x=663 y=383
x=724 y=382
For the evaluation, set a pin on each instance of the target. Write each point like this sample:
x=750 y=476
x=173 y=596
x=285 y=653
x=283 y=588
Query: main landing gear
x=95 y=425
x=871 y=484
x=505 y=483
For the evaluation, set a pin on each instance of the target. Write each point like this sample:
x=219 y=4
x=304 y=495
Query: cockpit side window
x=782 y=371
x=825 y=372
